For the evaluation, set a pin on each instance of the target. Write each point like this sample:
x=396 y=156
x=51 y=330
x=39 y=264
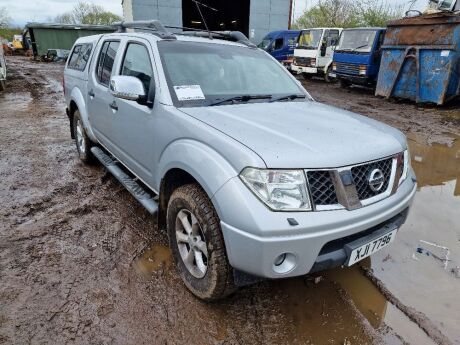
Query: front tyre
x=82 y=141
x=197 y=244
x=328 y=78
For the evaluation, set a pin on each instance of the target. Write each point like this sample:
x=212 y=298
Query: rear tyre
x=197 y=244
x=82 y=141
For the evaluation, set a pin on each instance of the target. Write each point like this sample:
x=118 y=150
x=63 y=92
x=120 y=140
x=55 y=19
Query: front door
x=133 y=123
x=329 y=40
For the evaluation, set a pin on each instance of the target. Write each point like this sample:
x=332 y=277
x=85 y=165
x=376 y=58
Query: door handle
x=114 y=106
x=91 y=93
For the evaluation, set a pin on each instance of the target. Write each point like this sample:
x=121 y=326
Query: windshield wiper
x=287 y=98
x=243 y=98
x=363 y=46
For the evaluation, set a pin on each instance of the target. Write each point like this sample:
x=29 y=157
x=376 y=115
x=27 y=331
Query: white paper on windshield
x=445 y=53
x=189 y=92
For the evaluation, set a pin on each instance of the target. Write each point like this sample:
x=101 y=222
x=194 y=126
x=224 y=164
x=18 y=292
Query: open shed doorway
x=225 y=15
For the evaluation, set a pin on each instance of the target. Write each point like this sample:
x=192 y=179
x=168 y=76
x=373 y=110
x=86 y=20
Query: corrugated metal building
x=254 y=18
x=44 y=36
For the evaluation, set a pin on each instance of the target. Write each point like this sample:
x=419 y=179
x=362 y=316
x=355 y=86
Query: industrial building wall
x=169 y=12
x=265 y=15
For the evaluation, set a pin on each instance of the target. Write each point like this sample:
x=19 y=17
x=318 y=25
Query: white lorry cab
x=314 y=52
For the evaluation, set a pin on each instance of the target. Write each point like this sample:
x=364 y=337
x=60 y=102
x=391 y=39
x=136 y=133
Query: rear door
x=133 y=124
x=99 y=99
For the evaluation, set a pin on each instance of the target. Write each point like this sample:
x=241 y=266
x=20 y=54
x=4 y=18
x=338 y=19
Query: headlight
x=406 y=166
x=280 y=190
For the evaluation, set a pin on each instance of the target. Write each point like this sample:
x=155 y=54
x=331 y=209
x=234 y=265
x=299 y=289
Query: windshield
x=201 y=74
x=357 y=40
x=310 y=39
x=265 y=43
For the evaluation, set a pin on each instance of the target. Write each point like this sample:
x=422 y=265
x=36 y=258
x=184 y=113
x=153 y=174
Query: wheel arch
x=190 y=161
x=77 y=98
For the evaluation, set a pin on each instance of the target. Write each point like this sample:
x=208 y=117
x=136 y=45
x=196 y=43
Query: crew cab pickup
x=250 y=177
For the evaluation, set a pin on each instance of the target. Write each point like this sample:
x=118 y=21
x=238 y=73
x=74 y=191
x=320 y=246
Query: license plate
x=332 y=75
x=371 y=247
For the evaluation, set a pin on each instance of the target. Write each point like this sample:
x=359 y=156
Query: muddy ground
x=82 y=263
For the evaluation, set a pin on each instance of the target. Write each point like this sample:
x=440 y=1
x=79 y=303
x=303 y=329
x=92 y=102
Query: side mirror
x=323 y=49
x=126 y=87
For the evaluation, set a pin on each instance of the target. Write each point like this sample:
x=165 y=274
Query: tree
x=5 y=19
x=87 y=13
x=378 y=14
x=348 y=13
x=329 y=13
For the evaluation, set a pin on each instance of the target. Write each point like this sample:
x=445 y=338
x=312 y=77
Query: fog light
x=280 y=259
x=284 y=263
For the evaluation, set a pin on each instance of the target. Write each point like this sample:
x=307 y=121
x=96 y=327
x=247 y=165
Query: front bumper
x=355 y=79
x=302 y=69
x=255 y=236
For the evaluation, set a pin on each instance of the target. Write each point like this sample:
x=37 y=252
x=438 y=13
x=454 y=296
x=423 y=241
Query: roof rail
x=234 y=36
x=154 y=26
x=157 y=28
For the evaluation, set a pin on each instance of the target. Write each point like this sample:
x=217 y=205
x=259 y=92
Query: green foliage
x=8 y=33
x=87 y=13
x=348 y=14
x=329 y=13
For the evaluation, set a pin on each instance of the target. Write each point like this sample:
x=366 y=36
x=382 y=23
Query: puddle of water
x=375 y=308
x=420 y=280
x=13 y=102
x=435 y=164
x=155 y=258
x=318 y=314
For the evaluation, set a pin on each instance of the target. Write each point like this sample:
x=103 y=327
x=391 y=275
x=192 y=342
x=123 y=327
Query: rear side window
x=137 y=64
x=80 y=56
x=105 y=61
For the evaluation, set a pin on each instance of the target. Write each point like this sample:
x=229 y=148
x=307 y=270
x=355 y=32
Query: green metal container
x=60 y=36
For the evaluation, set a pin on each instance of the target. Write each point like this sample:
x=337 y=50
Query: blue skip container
x=421 y=59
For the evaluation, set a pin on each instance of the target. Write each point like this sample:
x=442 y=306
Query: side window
x=136 y=63
x=80 y=56
x=333 y=37
x=279 y=43
x=105 y=62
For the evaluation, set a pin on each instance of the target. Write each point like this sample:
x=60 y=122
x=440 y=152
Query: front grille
x=321 y=187
x=302 y=61
x=361 y=175
x=347 y=68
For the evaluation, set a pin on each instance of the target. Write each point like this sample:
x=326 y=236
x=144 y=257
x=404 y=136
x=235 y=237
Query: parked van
x=281 y=45
x=357 y=56
x=313 y=54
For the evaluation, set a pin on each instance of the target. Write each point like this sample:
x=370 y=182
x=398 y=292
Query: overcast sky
x=23 y=11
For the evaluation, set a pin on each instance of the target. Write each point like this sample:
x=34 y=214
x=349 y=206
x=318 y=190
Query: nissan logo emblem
x=376 y=180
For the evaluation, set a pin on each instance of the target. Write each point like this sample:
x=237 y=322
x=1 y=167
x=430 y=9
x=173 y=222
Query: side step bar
x=141 y=195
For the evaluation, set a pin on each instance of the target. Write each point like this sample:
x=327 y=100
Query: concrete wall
x=265 y=15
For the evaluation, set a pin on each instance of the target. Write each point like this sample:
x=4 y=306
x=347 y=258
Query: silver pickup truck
x=251 y=178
